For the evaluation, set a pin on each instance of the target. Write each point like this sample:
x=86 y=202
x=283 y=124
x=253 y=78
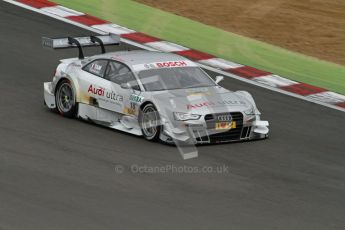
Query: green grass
x=215 y=41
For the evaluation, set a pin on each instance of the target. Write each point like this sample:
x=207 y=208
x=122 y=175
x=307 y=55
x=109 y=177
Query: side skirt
x=113 y=120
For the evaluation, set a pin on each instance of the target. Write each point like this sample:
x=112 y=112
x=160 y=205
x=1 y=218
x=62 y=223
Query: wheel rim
x=149 y=122
x=65 y=98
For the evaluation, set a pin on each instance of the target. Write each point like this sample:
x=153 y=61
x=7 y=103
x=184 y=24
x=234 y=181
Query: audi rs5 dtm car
x=161 y=96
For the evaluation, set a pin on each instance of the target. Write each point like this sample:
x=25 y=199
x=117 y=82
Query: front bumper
x=49 y=98
x=204 y=132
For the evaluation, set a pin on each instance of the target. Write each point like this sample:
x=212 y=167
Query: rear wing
x=79 y=42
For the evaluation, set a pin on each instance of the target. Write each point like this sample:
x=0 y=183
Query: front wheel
x=65 y=99
x=150 y=122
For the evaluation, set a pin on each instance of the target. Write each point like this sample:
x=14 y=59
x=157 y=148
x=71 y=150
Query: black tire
x=150 y=122
x=65 y=100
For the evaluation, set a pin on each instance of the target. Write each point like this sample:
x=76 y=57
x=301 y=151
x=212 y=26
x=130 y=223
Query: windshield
x=174 y=78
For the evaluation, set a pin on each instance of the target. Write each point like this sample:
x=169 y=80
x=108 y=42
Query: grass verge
x=215 y=41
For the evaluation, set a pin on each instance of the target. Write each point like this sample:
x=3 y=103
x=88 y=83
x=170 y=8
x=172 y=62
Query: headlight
x=186 y=116
x=250 y=111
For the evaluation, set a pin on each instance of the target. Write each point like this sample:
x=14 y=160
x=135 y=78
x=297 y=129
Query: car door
x=123 y=86
x=93 y=86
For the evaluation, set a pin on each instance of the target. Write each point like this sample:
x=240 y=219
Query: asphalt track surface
x=58 y=173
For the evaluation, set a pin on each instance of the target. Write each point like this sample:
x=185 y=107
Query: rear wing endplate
x=79 y=42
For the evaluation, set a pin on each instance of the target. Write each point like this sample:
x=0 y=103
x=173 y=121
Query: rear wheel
x=65 y=99
x=150 y=122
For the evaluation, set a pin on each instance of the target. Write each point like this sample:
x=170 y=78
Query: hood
x=201 y=100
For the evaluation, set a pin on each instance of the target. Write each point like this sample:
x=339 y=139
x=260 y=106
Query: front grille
x=231 y=135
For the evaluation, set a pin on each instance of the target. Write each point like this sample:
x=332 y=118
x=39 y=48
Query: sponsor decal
x=75 y=65
x=194 y=126
x=96 y=91
x=133 y=105
x=225 y=125
x=114 y=96
x=132 y=110
x=99 y=91
x=136 y=98
x=171 y=64
x=129 y=110
x=198 y=92
x=231 y=102
x=149 y=66
x=48 y=43
x=211 y=103
x=199 y=105
x=95 y=68
x=166 y=64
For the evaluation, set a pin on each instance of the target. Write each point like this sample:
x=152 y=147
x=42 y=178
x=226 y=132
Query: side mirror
x=219 y=79
x=125 y=85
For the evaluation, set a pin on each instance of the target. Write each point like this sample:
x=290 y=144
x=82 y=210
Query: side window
x=97 y=67
x=120 y=74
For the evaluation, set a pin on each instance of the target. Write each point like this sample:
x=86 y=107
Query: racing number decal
x=133 y=104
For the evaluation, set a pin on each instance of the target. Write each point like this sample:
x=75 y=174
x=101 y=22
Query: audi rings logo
x=149 y=66
x=225 y=117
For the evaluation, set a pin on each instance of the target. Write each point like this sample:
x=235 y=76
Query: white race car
x=161 y=96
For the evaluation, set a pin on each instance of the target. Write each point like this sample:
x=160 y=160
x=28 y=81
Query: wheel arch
x=247 y=96
x=74 y=84
x=146 y=103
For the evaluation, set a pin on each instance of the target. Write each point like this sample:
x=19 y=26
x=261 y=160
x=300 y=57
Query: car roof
x=136 y=57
